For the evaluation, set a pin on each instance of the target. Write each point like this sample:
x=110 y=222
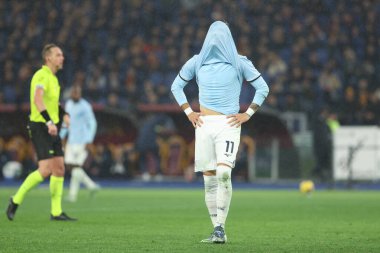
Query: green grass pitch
x=175 y=220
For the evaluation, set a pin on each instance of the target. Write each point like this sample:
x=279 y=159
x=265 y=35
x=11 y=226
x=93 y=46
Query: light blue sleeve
x=262 y=90
x=250 y=73
x=64 y=131
x=253 y=76
x=92 y=124
x=185 y=75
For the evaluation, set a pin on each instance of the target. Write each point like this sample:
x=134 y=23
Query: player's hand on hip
x=237 y=119
x=52 y=129
x=195 y=119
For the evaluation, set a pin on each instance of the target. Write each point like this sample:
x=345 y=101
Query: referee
x=45 y=119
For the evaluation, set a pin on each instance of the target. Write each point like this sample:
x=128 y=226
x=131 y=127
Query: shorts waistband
x=214 y=118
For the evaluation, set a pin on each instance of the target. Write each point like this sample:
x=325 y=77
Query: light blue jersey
x=82 y=122
x=219 y=72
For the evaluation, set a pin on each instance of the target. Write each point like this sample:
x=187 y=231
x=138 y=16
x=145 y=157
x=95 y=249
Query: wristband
x=45 y=115
x=250 y=111
x=188 y=110
x=49 y=123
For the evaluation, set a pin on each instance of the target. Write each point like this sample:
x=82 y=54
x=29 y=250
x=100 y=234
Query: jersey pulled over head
x=219 y=46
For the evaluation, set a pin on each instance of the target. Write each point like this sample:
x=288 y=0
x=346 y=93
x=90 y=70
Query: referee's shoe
x=62 y=217
x=11 y=210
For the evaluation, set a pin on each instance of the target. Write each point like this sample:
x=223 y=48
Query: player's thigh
x=75 y=154
x=42 y=140
x=205 y=158
x=227 y=144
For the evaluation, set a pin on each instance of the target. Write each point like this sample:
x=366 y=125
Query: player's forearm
x=185 y=106
x=262 y=91
x=39 y=99
x=177 y=90
x=39 y=104
x=91 y=127
x=63 y=133
x=254 y=107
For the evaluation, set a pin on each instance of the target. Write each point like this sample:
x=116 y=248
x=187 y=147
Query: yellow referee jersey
x=44 y=78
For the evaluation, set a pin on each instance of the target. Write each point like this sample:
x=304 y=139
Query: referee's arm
x=39 y=102
x=39 y=99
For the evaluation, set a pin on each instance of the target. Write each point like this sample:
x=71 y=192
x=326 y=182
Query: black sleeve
x=62 y=112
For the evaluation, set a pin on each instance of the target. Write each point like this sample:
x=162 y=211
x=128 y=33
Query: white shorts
x=215 y=142
x=75 y=154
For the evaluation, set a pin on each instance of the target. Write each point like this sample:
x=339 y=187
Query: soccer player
x=219 y=72
x=81 y=133
x=46 y=116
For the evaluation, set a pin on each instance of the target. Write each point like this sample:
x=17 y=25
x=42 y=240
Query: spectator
x=154 y=125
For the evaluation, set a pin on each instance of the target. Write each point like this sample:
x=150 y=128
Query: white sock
x=76 y=178
x=224 y=193
x=87 y=181
x=211 y=187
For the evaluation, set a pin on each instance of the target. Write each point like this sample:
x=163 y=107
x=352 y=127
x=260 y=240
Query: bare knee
x=224 y=173
x=224 y=164
x=209 y=173
x=58 y=169
x=53 y=166
x=44 y=168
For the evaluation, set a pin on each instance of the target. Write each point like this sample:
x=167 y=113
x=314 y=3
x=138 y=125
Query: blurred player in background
x=219 y=72
x=46 y=117
x=80 y=134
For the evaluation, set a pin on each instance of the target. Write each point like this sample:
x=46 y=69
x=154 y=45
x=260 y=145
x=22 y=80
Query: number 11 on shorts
x=230 y=144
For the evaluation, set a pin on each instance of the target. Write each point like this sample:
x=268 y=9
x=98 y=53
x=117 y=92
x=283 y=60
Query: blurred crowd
x=171 y=156
x=312 y=53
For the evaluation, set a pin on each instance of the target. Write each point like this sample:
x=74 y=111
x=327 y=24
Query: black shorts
x=46 y=146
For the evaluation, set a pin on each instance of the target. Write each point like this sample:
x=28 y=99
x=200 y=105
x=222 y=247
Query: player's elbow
x=265 y=90
x=177 y=85
x=261 y=86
